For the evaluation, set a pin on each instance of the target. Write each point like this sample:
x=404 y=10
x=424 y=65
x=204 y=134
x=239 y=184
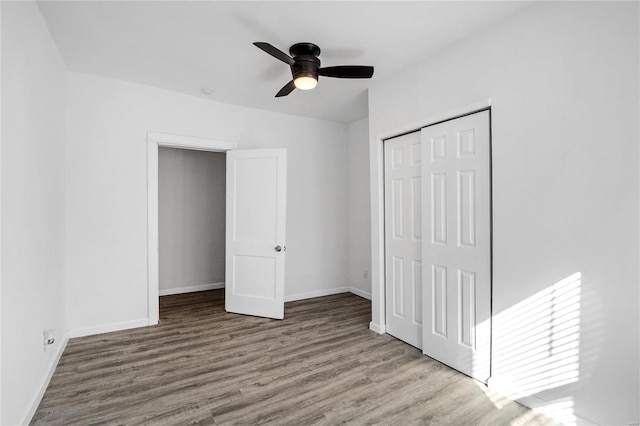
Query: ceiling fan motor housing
x=306 y=61
x=305 y=67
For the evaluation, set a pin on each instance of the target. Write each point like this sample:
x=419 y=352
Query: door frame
x=154 y=141
x=376 y=167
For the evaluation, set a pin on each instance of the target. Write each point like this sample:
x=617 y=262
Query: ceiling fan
x=305 y=66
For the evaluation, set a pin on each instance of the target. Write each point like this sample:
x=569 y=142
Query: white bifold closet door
x=403 y=238
x=438 y=242
x=456 y=248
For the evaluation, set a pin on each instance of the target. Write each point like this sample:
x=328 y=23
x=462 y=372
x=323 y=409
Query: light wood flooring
x=320 y=365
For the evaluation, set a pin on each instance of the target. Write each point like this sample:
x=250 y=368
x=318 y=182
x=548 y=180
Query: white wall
x=106 y=184
x=0 y=220
x=563 y=78
x=33 y=195
x=359 y=208
x=191 y=215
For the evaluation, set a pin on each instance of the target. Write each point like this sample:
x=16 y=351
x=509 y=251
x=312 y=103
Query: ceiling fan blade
x=275 y=52
x=347 y=71
x=288 y=88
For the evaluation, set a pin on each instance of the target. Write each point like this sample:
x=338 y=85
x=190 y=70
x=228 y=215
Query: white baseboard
x=537 y=404
x=360 y=293
x=289 y=298
x=45 y=382
x=378 y=328
x=318 y=293
x=108 y=328
x=550 y=410
x=190 y=289
x=327 y=292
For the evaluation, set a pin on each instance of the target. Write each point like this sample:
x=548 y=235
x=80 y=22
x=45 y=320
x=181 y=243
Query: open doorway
x=255 y=220
x=191 y=220
x=154 y=142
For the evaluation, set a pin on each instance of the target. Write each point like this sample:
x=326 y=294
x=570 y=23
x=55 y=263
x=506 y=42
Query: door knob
x=278 y=248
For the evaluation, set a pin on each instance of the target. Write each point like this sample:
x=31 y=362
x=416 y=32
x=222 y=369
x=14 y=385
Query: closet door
x=403 y=235
x=457 y=244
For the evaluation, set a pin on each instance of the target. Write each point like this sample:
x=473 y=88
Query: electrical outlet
x=366 y=274
x=49 y=338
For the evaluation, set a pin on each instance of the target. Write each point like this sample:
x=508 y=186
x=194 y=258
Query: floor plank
x=320 y=365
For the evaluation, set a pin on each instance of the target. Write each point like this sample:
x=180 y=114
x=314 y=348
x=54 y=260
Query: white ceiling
x=185 y=46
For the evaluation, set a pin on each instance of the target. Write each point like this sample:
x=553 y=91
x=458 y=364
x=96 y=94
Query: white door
x=255 y=234
x=403 y=235
x=456 y=249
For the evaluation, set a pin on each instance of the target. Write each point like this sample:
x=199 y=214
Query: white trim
x=378 y=328
x=153 y=275
x=538 y=405
x=376 y=175
x=291 y=298
x=376 y=179
x=108 y=328
x=1 y=233
x=317 y=293
x=533 y=402
x=361 y=293
x=456 y=112
x=45 y=382
x=154 y=141
x=191 y=289
x=190 y=142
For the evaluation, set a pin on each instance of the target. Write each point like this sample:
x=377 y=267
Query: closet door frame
x=376 y=164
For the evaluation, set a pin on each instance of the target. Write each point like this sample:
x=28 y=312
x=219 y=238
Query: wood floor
x=320 y=365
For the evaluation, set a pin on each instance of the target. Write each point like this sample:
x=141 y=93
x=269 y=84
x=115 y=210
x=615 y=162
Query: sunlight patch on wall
x=537 y=346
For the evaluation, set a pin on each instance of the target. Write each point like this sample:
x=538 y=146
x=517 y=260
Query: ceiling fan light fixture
x=305 y=66
x=305 y=82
